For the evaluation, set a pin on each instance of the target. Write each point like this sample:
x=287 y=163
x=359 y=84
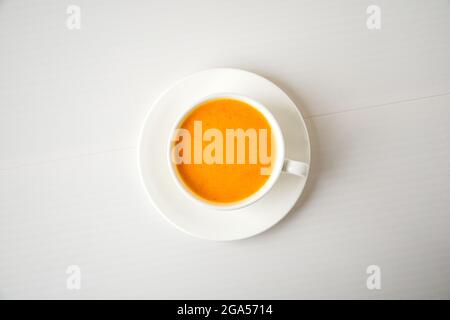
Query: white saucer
x=197 y=220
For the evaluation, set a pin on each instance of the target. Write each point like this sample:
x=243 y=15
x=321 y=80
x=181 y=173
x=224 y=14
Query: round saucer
x=190 y=217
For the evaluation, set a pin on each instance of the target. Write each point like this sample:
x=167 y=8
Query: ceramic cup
x=280 y=165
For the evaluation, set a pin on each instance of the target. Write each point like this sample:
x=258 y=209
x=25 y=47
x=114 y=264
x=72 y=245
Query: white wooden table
x=377 y=104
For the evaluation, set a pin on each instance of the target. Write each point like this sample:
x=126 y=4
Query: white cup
x=281 y=163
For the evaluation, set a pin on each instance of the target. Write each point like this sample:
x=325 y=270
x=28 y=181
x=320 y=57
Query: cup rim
x=276 y=170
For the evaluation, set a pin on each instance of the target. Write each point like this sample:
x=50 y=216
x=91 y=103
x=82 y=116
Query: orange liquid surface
x=225 y=183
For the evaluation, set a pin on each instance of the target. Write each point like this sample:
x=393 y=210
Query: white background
x=377 y=104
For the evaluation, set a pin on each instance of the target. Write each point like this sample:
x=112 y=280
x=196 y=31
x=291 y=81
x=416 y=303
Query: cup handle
x=295 y=167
